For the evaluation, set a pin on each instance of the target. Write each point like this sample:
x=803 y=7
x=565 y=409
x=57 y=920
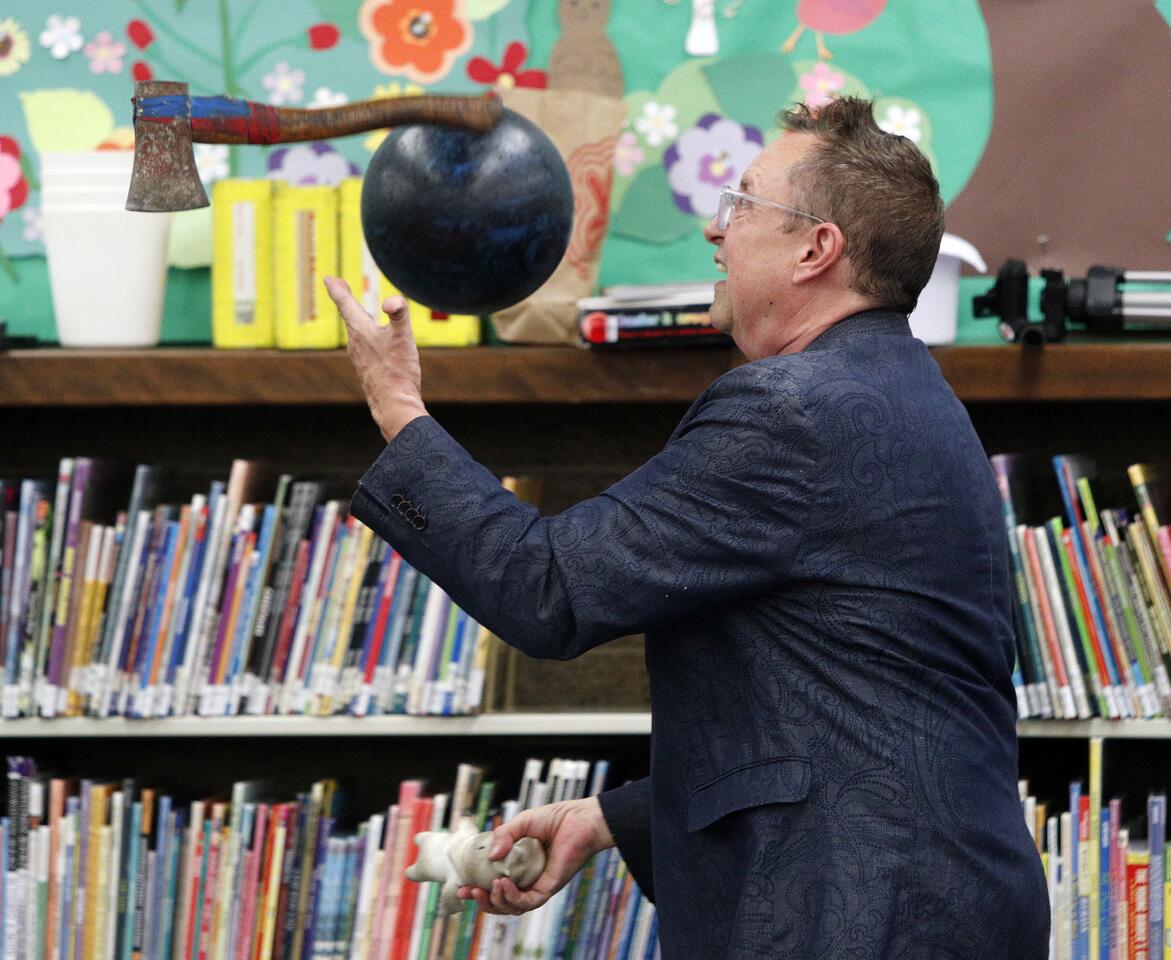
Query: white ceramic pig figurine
x=461 y=857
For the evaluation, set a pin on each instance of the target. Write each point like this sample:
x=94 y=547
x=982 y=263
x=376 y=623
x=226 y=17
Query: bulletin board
x=1047 y=122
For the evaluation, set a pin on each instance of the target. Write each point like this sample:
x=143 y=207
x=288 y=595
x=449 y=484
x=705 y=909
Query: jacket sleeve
x=715 y=517
x=627 y=810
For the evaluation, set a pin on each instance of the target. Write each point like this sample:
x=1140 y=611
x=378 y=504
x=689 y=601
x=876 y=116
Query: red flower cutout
x=141 y=71
x=140 y=33
x=509 y=73
x=323 y=36
x=13 y=186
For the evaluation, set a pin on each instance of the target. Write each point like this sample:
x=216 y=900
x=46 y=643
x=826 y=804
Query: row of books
x=258 y=596
x=1109 y=884
x=112 y=871
x=1092 y=603
x=273 y=242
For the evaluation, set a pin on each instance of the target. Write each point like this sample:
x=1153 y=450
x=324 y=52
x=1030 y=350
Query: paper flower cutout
x=62 y=36
x=657 y=123
x=284 y=84
x=708 y=157
x=307 y=164
x=105 y=53
x=419 y=39
x=14 y=47
x=509 y=73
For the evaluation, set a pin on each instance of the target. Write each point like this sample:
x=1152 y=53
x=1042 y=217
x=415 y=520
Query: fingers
x=396 y=309
x=504 y=898
x=352 y=313
x=505 y=835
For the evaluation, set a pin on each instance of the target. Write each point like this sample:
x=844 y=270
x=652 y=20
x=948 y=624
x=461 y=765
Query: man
x=817 y=561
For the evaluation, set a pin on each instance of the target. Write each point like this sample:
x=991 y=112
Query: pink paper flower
x=627 y=153
x=105 y=53
x=820 y=84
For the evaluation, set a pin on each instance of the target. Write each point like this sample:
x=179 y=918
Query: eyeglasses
x=729 y=198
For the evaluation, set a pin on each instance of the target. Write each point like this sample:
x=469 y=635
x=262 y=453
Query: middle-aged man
x=817 y=560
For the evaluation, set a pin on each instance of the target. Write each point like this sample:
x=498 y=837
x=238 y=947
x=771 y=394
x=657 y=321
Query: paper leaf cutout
x=747 y=87
x=648 y=213
x=66 y=119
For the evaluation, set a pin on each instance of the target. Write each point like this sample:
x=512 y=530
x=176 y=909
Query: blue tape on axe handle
x=196 y=107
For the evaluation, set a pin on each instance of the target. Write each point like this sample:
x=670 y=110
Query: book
x=305 y=249
x=242 y=312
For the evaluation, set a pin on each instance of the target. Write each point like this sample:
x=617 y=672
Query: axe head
x=164 y=177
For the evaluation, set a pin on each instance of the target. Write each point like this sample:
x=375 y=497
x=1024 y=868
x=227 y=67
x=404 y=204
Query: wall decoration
x=14 y=47
x=418 y=39
x=838 y=17
x=584 y=57
x=1077 y=158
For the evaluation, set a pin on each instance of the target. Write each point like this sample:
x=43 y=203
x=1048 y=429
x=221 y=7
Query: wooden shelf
x=505 y=375
x=485 y=725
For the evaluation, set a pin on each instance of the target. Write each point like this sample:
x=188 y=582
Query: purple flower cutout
x=708 y=157
x=308 y=164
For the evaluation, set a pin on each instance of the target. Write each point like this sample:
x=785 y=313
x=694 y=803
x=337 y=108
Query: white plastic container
x=934 y=318
x=107 y=273
x=107 y=266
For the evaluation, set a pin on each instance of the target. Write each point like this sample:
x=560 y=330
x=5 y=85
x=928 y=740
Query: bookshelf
x=577 y=419
x=580 y=420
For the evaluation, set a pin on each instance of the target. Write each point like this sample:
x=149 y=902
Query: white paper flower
x=905 y=121
x=657 y=123
x=62 y=36
x=325 y=97
x=211 y=160
x=284 y=84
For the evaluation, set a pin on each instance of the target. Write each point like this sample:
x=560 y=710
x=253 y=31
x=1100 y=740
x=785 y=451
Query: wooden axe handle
x=225 y=120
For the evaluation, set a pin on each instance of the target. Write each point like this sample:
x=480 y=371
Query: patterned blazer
x=818 y=560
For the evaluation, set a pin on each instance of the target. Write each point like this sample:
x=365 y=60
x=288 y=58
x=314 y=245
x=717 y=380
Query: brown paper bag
x=584 y=127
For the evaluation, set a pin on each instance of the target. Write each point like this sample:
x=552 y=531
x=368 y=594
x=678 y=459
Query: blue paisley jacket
x=818 y=562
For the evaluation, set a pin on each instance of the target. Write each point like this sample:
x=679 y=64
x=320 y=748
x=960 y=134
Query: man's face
x=754 y=250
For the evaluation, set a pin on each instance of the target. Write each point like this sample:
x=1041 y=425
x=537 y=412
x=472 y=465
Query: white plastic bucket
x=107 y=273
x=88 y=160
x=934 y=318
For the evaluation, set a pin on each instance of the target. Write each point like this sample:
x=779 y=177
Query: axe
x=167 y=120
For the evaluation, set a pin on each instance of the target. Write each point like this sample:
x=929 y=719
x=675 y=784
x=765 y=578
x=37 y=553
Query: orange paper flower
x=418 y=39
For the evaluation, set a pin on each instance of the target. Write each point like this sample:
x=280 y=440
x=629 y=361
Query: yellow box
x=241 y=266
x=305 y=249
x=358 y=269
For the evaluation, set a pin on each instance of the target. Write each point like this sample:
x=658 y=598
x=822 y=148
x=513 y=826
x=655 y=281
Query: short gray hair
x=879 y=189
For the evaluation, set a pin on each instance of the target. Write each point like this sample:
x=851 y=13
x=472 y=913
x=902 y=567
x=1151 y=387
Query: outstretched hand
x=572 y=831
x=386 y=359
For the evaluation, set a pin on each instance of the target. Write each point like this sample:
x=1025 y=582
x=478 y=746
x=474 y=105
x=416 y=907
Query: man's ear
x=824 y=246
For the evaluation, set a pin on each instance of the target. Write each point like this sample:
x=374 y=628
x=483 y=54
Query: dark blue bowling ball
x=466 y=222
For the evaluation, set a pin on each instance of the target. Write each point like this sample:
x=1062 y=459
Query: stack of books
x=258 y=596
x=1092 y=600
x=673 y=314
x=114 y=871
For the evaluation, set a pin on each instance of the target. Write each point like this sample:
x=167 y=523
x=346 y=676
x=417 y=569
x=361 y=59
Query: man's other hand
x=386 y=359
x=572 y=831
